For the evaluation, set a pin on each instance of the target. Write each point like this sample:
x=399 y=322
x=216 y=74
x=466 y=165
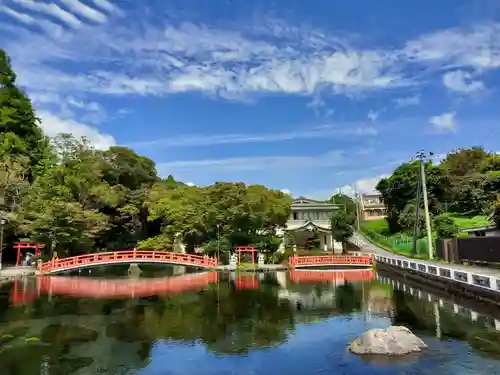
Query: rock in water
x=395 y=340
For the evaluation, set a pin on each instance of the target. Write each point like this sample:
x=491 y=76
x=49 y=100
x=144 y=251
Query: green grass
x=471 y=222
x=377 y=232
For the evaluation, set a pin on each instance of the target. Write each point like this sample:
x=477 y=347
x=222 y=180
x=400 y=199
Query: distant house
x=490 y=230
x=485 y=231
x=307 y=216
x=371 y=207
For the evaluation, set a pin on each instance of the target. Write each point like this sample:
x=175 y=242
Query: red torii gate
x=245 y=249
x=23 y=246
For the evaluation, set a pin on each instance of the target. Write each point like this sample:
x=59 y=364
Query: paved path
x=370 y=247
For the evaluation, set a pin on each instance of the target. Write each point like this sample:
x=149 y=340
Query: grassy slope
x=380 y=227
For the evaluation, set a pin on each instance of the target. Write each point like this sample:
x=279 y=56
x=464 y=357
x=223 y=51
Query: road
x=371 y=248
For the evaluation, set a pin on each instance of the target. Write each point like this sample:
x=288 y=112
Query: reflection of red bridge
x=301 y=276
x=125 y=257
x=330 y=260
x=85 y=287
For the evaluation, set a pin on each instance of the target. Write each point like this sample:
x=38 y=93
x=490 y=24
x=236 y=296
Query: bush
x=445 y=227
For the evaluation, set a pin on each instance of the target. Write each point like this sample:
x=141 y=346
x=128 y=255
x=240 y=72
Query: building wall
x=371 y=207
x=304 y=211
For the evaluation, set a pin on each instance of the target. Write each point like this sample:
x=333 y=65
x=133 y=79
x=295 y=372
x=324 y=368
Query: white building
x=308 y=217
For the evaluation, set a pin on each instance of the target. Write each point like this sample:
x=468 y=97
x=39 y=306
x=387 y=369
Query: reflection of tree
x=418 y=315
x=242 y=319
x=348 y=298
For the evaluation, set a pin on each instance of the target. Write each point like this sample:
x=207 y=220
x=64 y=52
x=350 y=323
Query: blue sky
x=306 y=96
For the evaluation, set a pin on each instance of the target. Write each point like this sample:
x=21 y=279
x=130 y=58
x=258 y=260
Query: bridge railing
x=124 y=256
x=330 y=260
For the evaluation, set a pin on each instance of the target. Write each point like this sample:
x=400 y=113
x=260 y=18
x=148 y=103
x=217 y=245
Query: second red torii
x=245 y=249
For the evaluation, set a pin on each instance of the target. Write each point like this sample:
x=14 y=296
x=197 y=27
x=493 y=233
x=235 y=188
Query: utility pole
x=422 y=157
x=2 y=224
x=416 y=225
x=356 y=200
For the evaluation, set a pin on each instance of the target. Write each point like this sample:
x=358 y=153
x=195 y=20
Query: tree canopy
x=465 y=182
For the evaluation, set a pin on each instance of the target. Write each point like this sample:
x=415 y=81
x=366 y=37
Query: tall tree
x=20 y=133
x=346 y=201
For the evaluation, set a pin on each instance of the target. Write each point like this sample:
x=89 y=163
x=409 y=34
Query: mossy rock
x=60 y=334
x=12 y=334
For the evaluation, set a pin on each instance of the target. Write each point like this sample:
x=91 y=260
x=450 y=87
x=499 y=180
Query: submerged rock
x=59 y=334
x=392 y=341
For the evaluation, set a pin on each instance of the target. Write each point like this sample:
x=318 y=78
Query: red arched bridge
x=86 y=287
x=330 y=261
x=125 y=257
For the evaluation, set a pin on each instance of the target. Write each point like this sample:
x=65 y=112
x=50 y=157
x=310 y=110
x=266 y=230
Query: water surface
x=167 y=321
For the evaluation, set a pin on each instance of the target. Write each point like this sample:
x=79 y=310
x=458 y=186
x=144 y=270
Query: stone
x=392 y=341
x=60 y=335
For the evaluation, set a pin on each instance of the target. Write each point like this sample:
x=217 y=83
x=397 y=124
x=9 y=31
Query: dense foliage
x=73 y=198
x=466 y=182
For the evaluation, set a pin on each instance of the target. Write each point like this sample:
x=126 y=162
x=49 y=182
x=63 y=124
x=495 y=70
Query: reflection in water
x=231 y=324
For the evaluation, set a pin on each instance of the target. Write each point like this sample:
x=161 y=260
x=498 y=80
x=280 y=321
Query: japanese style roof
x=307 y=225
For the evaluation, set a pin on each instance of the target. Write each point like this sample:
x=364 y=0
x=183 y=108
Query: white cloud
x=105 y=5
x=324 y=131
x=84 y=10
x=363 y=186
x=287 y=191
x=462 y=82
x=233 y=62
x=21 y=17
x=444 y=122
x=477 y=47
x=53 y=125
x=50 y=9
x=407 y=101
x=330 y=159
x=372 y=115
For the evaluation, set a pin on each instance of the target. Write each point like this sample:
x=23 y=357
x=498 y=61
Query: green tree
x=401 y=187
x=445 y=227
x=242 y=213
x=407 y=219
x=346 y=201
x=20 y=133
x=342 y=227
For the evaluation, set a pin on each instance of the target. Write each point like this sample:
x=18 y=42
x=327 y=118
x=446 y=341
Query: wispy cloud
x=105 y=5
x=233 y=61
x=50 y=9
x=462 y=82
x=84 y=10
x=444 y=122
x=324 y=131
x=407 y=101
x=256 y=163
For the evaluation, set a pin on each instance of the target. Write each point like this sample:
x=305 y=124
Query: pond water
x=168 y=321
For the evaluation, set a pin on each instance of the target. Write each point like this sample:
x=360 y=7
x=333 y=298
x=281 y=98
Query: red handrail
x=330 y=260
x=128 y=256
